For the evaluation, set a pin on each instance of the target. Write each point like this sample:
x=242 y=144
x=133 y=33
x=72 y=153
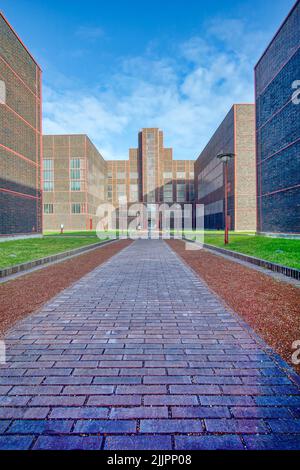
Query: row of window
x=76 y=208
x=77 y=174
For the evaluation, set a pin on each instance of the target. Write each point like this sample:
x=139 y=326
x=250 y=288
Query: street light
x=225 y=157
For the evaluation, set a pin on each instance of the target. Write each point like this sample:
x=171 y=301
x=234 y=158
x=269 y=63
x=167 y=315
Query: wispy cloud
x=90 y=33
x=187 y=94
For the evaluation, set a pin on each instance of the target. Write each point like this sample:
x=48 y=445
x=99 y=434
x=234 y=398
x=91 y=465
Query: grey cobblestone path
x=140 y=354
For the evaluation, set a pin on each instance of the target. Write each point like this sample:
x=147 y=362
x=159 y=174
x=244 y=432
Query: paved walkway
x=140 y=354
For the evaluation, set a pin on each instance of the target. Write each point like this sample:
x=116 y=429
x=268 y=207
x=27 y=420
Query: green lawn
x=278 y=250
x=20 y=251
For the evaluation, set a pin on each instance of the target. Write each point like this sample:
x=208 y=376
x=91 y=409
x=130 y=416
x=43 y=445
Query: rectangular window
x=75 y=185
x=78 y=208
x=121 y=175
x=48 y=208
x=48 y=175
x=134 y=175
x=77 y=174
x=133 y=192
x=121 y=189
x=192 y=191
x=168 y=174
x=180 y=175
x=168 y=192
x=109 y=192
x=75 y=163
x=180 y=192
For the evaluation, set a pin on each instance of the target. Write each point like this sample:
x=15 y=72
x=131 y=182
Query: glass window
x=48 y=175
x=121 y=189
x=75 y=163
x=168 y=192
x=78 y=208
x=180 y=192
x=48 y=208
x=75 y=186
x=77 y=174
x=180 y=175
x=133 y=192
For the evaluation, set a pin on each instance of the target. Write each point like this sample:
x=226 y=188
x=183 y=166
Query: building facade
x=20 y=137
x=236 y=135
x=277 y=89
x=74 y=182
x=150 y=176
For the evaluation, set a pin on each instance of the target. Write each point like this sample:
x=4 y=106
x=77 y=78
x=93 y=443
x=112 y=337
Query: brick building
x=236 y=134
x=20 y=137
x=277 y=78
x=150 y=176
x=74 y=182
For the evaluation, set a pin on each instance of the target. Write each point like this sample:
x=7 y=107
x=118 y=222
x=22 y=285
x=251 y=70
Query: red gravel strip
x=22 y=296
x=270 y=307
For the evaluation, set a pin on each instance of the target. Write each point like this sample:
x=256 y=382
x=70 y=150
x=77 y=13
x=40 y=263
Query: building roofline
x=277 y=32
x=232 y=108
x=19 y=39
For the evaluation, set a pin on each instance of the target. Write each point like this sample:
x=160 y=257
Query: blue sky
x=113 y=67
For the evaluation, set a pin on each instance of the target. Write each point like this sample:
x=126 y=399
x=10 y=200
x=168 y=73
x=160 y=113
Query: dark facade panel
x=20 y=137
x=207 y=162
x=281 y=211
x=278 y=131
x=18 y=214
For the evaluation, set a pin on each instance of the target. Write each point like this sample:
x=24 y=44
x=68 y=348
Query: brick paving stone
x=105 y=426
x=142 y=351
x=138 y=443
x=229 y=442
x=40 y=427
x=15 y=442
x=68 y=443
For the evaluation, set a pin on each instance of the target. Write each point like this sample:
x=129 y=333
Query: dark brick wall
x=20 y=137
x=278 y=131
x=221 y=141
x=17 y=214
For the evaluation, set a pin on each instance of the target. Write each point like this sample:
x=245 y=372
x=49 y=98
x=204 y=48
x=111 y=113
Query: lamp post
x=225 y=157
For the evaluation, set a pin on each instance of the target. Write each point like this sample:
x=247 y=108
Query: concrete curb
x=50 y=259
x=278 y=268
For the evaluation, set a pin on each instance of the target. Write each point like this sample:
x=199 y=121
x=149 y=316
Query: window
x=121 y=188
x=109 y=192
x=192 y=192
x=168 y=174
x=134 y=175
x=2 y=92
x=180 y=192
x=120 y=175
x=133 y=192
x=78 y=208
x=48 y=175
x=168 y=192
x=180 y=175
x=77 y=174
x=48 y=208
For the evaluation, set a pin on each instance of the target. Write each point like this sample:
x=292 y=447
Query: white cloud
x=186 y=95
x=89 y=32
